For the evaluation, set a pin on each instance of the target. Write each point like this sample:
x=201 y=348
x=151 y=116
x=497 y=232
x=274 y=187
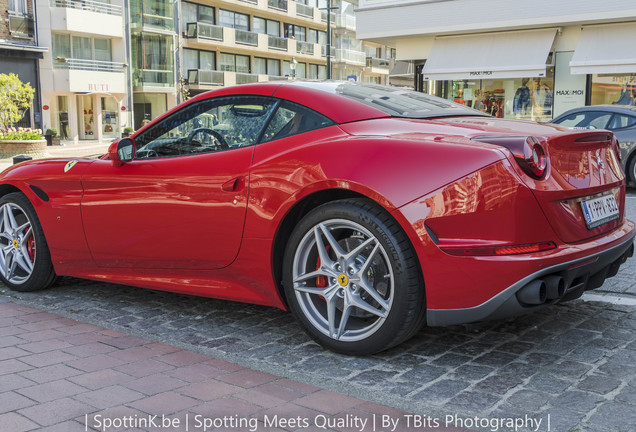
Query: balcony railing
x=153 y=78
x=87 y=65
x=204 y=31
x=323 y=51
x=277 y=4
x=246 y=78
x=206 y=77
x=350 y=56
x=277 y=43
x=246 y=37
x=276 y=78
x=21 y=25
x=250 y=1
x=377 y=63
x=305 y=47
x=304 y=10
x=346 y=21
x=89 y=5
x=323 y=16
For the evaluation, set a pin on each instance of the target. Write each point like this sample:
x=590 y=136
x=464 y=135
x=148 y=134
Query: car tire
x=25 y=261
x=352 y=278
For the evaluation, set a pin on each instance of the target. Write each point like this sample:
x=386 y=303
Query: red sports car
x=365 y=210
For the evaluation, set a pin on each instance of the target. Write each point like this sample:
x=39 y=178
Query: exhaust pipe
x=533 y=294
x=555 y=287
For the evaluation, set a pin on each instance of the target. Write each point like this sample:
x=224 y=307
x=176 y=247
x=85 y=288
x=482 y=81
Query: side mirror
x=122 y=151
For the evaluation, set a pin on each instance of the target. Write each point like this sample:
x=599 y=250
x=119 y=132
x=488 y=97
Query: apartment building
x=84 y=72
x=20 y=51
x=529 y=60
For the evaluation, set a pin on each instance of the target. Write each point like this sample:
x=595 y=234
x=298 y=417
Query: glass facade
x=613 y=89
x=152 y=60
x=157 y=14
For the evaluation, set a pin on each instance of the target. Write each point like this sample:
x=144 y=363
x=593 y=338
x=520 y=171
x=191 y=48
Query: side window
x=292 y=119
x=207 y=126
x=587 y=119
x=620 y=121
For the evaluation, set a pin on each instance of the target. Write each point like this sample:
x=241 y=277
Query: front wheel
x=25 y=262
x=352 y=279
x=631 y=170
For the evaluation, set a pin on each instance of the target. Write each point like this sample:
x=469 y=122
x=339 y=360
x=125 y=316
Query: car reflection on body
x=620 y=119
x=366 y=211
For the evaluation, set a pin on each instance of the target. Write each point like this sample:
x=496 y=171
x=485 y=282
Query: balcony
x=98 y=18
x=306 y=48
x=304 y=10
x=377 y=65
x=153 y=78
x=202 y=77
x=211 y=37
x=323 y=17
x=347 y=22
x=21 y=26
x=245 y=37
x=204 y=31
x=358 y=58
x=280 y=5
x=246 y=78
x=89 y=5
x=277 y=43
x=78 y=75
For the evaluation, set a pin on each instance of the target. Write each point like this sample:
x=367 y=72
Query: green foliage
x=15 y=99
x=20 y=134
x=51 y=132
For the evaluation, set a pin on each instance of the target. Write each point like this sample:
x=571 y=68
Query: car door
x=181 y=203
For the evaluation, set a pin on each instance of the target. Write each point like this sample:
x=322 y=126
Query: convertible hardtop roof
x=346 y=101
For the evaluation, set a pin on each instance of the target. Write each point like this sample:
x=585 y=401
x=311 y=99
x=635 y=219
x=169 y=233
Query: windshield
x=395 y=101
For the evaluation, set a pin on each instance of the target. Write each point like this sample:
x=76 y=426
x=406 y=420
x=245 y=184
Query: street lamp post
x=329 y=8
x=292 y=66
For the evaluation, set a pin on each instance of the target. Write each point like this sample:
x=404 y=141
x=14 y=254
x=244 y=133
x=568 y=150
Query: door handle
x=233 y=185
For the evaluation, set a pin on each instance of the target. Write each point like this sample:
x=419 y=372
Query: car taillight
x=528 y=151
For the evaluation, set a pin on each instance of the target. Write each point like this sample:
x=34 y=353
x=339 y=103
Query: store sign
x=481 y=74
x=97 y=87
x=569 y=90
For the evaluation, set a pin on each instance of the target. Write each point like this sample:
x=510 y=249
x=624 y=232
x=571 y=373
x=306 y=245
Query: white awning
x=517 y=54
x=605 y=49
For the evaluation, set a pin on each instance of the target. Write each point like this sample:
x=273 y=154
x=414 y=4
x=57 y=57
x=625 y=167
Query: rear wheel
x=352 y=279
x=25 y=262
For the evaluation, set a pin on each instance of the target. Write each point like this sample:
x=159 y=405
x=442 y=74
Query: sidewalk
x=58 y=374
x=69 y=149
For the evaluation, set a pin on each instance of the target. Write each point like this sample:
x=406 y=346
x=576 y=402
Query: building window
x=613 y=89
x=315 y=71
x=234 y=20
x=296 y=32
x=193 y=13
x=18 y=6
x=84 y=48
x=234 y=63
x=266 y=66
x=152 y=57
x=317 y=36
x=197 y=59
x=267 y=26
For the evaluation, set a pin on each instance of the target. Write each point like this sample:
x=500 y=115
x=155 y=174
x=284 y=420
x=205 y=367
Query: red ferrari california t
x=367 y=211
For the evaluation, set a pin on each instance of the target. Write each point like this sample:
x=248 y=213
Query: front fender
x=54 y=187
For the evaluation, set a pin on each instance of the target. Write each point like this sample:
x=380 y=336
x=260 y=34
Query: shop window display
x=529 y=98
x=613 y=89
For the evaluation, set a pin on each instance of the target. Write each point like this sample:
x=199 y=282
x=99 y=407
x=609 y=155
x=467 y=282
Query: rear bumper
x=578 y=275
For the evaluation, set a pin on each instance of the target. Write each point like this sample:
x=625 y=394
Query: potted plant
x=127 y=131
x=51 y=137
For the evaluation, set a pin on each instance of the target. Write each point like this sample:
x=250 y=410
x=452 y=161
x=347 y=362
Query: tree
x=15 y=99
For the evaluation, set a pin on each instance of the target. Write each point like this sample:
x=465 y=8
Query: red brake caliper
x=31 y=247
x=321 y=281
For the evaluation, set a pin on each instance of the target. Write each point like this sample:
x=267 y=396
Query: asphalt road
x=573 y=364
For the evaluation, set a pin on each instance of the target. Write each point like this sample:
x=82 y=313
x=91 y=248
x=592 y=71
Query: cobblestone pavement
x=574 y=363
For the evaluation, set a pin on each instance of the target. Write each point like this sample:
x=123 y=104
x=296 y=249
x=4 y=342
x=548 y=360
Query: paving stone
x=441 y=391
x=12 y=401
x=16 y=423
x=577 y=401
x=548 y=383
x=617 y=417
x=599 y=384
x=51 y=391
x=472 y=401
x=50 y=373
x=55 y=411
